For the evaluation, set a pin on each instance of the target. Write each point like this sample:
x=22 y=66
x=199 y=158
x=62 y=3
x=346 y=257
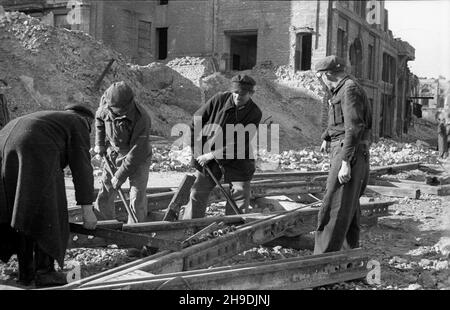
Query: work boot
x=26 y=266
x=52 y=278
x=25 y=278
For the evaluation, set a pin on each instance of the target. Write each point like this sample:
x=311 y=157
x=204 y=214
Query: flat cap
x=331 y=63
x=242 y=82
x=118 y=96
x=80 y=109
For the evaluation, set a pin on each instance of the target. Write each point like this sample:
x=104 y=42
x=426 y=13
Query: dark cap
x=242 y=83
x=331 y=63
x=82 y=109
x=119 y=96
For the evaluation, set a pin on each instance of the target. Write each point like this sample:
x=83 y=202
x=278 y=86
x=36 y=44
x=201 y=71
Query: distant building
x=433 y=94
x=241 y=34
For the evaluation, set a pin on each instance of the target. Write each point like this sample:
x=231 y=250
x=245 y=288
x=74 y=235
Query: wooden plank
x=392 y=169
x=442 y=190
x=393 y=191
x=288 y=175
x=308 y=175
x=180 y=198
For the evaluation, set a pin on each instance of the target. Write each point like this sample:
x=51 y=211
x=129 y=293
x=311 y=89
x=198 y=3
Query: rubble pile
x=387 y=152
x=167 y=159
x=264 y=254
x=193 y=68
x=301 y=79
x=382 y=153
x=48 y=68
x=93 y=261
x=171 y=88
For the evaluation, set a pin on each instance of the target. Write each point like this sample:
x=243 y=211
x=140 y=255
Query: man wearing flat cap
x=225 y=115
x=34 y=223
x=348 y=134
x=122 y=134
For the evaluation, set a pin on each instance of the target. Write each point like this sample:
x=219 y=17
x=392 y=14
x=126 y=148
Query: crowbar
x=225 y=193
x=130 y=211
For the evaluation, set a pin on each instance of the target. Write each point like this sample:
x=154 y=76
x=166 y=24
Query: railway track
x=192 y=264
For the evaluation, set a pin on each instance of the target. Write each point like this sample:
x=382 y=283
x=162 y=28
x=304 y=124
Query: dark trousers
x=442 y=145
x=203 y=185
x=32 y=260
x=339 y=218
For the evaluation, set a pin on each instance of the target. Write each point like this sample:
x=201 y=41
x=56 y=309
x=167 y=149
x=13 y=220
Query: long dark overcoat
x=34 y=150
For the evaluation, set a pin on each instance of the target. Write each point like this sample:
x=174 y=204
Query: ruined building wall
x=190 y=27
x=269 y=19
x=276 y=24
x=117 y=24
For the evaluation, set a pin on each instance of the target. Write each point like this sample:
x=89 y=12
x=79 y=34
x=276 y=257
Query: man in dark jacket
x=442 y=138
x=34 y=150
x=122 y=134
x=348 y=134
x=4 y=113
x=222 y=132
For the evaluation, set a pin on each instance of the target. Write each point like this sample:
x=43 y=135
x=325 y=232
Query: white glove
x=100 y=150
x=205 y=158
x=89 y=218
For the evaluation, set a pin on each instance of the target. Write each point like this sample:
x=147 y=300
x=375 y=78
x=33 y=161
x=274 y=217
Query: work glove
x=89 y=218
x=345 y=173
x=205 y=158
x=325 y=147
x=100 y=150
x=116 y=184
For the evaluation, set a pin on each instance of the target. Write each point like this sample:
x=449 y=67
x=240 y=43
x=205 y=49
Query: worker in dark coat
x=122 y=134
x=214 y=140
x=4 y=113
x=442 y=138
x=348 y=134
x=447 y=128
x=34 y=150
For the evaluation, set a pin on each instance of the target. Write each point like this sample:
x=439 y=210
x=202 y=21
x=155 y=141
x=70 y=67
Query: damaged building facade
x=433 y=96
x=239 y=35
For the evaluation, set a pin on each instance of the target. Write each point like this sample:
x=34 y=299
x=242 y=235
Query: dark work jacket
x=4 y=113
x=349 y=117
x=221 y=110
x=34 y=150
x=129 y=137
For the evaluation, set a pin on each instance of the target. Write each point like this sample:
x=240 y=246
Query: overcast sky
x=425 y=24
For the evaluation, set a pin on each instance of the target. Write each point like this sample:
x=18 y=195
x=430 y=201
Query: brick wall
x=190 y=28
x=116 y=24
x=276 y=23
